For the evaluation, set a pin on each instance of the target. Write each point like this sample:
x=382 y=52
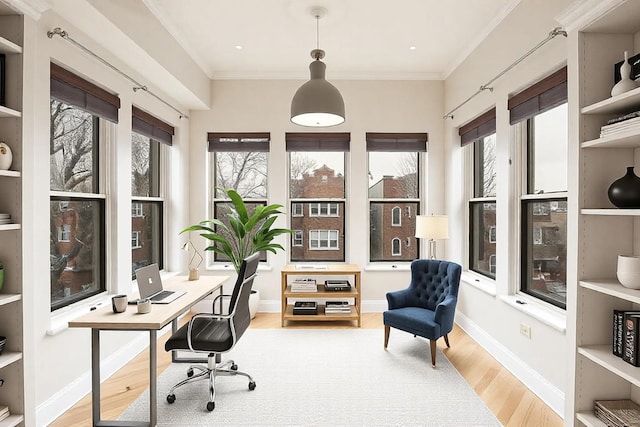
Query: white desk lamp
x=432 y=227
x=193 y=271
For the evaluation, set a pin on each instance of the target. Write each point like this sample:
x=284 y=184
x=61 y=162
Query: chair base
x=432 y=344
x=210 y=372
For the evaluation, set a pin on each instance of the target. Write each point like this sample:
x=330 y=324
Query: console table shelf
x=322 y=293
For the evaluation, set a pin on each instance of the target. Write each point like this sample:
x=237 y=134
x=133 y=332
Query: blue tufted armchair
x=427 y=307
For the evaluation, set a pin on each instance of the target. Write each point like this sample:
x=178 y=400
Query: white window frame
x=298 y=238
x=332 y=210
x=396 y=220
x=297 y=209
x=135 y=240
x=329 y=239
x=136 y=210
x=395 y=252
x=64 y=233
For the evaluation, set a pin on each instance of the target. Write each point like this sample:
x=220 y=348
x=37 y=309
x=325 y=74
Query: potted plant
x=245 y=233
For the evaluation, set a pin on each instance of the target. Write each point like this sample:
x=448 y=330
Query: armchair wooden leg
x=432 y=343
x=386 y=335
x=446 y=340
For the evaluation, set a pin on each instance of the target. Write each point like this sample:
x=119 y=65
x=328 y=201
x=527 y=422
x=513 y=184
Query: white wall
x=540 y=362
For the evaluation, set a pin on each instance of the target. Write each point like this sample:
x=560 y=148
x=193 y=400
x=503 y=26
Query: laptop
x=150 y=286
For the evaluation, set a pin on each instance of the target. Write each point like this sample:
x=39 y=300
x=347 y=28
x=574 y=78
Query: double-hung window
x=317 y=195
x=394 y=174
x=82 y=116
x=480 y=136
x=238 y=161
x=149 y=138
x=540 y=116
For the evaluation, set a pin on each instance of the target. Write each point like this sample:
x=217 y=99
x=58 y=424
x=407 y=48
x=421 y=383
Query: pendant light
x=317 y=103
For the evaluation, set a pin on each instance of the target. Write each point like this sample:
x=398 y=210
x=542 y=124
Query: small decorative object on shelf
x=631 y=323
x=628 y=271
x=625 y=84
x=621 y=413
x=1 y=275
x=6 y=157
x=3 y=341
x=625 y=192
x=305 y=307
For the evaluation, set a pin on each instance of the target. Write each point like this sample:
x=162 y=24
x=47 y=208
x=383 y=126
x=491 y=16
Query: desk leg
x=153 y=378
x=95 y=376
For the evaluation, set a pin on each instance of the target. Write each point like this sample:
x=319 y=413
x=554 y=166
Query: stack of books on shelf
x=304 y=285
x=337 y=307
x=305 y=307
x=626 y=336
x=337 y=285
x=616 y=413
x=4 y=412
x=621 y=124
x=5 y=218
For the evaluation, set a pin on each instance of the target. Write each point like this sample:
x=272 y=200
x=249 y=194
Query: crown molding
x=31 y=8
x=581 y=13
x=284 y=75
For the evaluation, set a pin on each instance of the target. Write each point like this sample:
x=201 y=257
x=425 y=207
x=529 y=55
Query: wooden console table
x=322 y=293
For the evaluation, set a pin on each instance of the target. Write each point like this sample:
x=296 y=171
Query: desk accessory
x=119 y=303
x=144 y=306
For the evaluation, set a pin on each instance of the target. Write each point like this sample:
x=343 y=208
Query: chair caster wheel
x=252 y=385
x=190 y=372
x=171 y=398
x=234 y=367
x=211 y=406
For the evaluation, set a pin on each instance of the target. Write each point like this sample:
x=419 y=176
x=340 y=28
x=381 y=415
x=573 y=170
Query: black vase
x=625 y=192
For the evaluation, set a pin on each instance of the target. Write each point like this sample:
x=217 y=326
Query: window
x=396 y=216
x=298 y=238
x=541 y=116
x=396 y=248
x=317 y=185
x=81 y=114
x=323 y=240
x=394 y=189
x=135 y=240
x=150 y=139
x=238 y=161
x=297 y=209
x=480 y=135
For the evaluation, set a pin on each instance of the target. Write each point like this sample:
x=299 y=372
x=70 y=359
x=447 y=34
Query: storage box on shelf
x=604 y=231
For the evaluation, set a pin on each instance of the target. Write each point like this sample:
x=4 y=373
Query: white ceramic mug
x=119 y=303
x=144 y=306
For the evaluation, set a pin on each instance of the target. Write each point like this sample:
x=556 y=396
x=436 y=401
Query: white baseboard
x=63 y=400
x=550 y=394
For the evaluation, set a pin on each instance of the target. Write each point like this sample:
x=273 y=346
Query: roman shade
x=397 y=142
x=481 y=126
x=150 y=126
x=318 y=141
x=243 y=141
x=541 y=97
x=74 y=90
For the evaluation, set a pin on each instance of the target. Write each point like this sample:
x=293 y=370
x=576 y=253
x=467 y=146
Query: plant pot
x=254 y=302
x=628 y=271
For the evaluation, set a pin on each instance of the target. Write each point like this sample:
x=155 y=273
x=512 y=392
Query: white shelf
x=629 y=139
x=9 y=357
x=10 y=173
x=9 y=298
x=602 y=355
x=615 y=104
x=611 y=212
x=12 y=421
x=612 y=287
x=7 y=46
x=9 y=112
x=589 y=419
x=5 y=227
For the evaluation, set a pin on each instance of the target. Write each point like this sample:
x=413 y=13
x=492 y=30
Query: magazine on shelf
x=337 y=285
x=4 y=412
x=304 y=285
x=305 y=307
x=337 y=307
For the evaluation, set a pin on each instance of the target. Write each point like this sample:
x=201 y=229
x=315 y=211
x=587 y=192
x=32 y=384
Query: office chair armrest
x=445 y=312
x=218 y=297
x=200 y=316
x=397 y=299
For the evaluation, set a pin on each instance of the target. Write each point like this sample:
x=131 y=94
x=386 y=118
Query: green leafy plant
x=246 y=234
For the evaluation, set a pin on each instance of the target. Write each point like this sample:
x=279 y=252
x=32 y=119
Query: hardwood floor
x=511 y=402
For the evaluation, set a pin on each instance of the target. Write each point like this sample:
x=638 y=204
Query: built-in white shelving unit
x=12 y=370
x=603 y=231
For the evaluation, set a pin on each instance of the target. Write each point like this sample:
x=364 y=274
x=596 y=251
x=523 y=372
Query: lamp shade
x=432 y=227
x=317 y=103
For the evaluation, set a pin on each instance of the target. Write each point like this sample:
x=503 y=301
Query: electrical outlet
x=525 y=330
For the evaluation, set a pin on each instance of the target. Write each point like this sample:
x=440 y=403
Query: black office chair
x=217 y=333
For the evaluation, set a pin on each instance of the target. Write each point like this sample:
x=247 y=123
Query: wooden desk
x=161 y=315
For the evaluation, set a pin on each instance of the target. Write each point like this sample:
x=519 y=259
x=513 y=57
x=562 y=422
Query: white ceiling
x=363 y=39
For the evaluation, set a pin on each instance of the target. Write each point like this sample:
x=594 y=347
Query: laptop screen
x=148 y=279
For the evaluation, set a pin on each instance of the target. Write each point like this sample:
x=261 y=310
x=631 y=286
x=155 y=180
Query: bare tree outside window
x=244 y=172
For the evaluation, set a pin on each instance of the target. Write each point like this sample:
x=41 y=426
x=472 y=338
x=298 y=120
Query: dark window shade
x=316 y=141
x=74 y=90
x=148 y=125
x=243 y=141
x=541 y=97
x=481 y=126
x=398 y=142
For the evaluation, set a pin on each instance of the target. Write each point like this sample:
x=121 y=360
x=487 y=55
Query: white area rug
x=337 y=377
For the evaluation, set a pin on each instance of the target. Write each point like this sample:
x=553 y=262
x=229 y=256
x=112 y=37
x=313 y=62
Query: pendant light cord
x=317 y=31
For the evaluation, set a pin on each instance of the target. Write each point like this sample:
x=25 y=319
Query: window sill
x=60 y=318
x=388 y=267
x=548 y=316
x=480 y=282
x=229 y=267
